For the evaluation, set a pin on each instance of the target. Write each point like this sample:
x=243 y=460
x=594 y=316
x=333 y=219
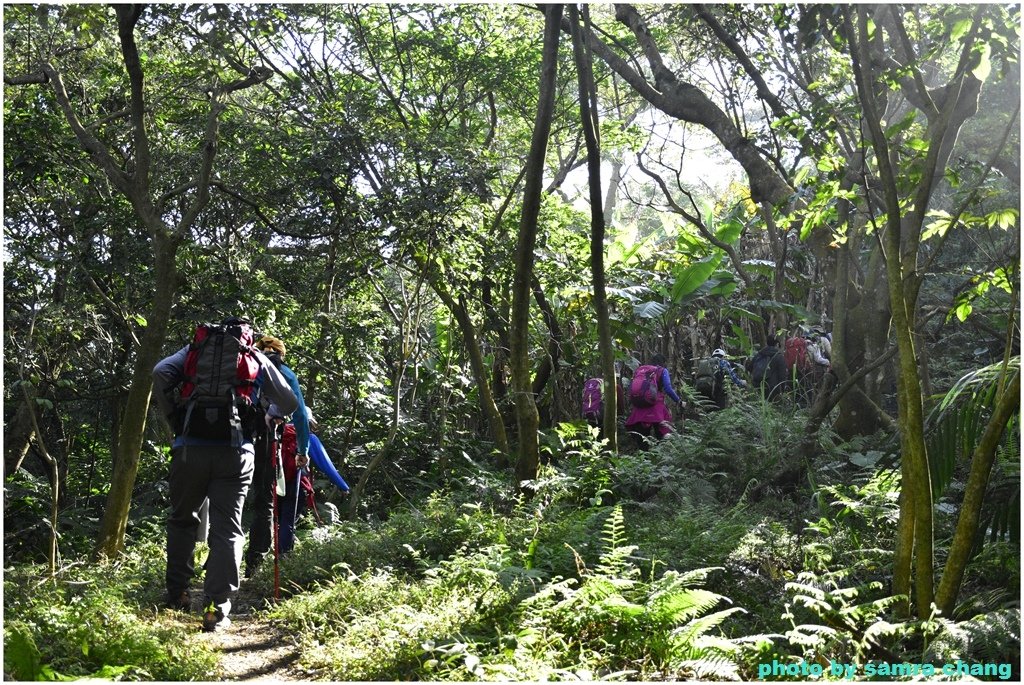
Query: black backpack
x=219 y=391
x=759 y=368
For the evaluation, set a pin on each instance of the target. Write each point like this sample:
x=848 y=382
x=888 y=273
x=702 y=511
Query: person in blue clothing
x=216 y=469
x=710 y=380
x=261 y=527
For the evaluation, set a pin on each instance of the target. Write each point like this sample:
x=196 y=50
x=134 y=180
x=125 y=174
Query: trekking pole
x=298 y=494
x=277 y=537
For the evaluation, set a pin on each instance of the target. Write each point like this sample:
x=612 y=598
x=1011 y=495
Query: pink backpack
x=593 y=399
x=643 y=391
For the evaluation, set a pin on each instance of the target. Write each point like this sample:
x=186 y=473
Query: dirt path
x=253 y=649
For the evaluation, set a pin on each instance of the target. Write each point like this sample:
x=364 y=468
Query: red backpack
x=643 y=390
x=796 y=355
x=289 y=448
x=593 y=398
x=219 y=391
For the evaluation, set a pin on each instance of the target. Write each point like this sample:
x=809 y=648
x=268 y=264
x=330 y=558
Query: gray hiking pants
x=223 y=474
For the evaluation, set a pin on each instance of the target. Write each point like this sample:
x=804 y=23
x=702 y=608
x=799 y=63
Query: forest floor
x=254 y=649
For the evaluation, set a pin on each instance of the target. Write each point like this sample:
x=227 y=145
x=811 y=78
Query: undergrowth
x=651 y=565
x=97 y=621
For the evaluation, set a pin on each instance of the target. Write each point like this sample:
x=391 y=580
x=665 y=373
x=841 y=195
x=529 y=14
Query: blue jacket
x=666 y=385
x=318 y=455
x=726 y=367
x=299 y=417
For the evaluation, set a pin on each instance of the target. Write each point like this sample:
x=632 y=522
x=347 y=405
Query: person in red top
x=656 y=418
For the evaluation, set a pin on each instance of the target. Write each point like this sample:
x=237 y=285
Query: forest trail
x=253 y=648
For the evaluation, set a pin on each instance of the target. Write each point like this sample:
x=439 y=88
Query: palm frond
x=956 y=423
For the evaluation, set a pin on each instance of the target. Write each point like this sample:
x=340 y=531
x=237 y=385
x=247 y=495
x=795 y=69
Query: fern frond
x=682 y=605
x=955 y=425
x=816 y=593
x=708 y=668
x=810 y=634
x=698 y=576
x=688 y=634
x=614 y=560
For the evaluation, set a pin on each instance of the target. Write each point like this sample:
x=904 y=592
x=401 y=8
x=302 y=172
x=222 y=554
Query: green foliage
x=955 y=424
x=991 y=638
x=379 y=626
x=97 y=621
x=857 y=533
x=611 y=617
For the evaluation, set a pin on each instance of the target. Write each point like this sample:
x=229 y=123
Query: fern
x=988 y=638
x=611 y=617
x=614 y=560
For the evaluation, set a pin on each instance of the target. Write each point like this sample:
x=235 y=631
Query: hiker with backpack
x=649 y=415
x=820 y=365
x=298 y=487
x=710 y=378
x=805 y=365
x=261 y=527
x=593 y=403
x=824 y=342
x=208 y=390
x=768 y=370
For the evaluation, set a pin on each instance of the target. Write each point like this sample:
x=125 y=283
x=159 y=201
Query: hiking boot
x=215 y=621
x=179 y=601
x=251 y=567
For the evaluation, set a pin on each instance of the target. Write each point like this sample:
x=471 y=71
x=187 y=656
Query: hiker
x=710 y=378
x=261 y=527
x=298 y=487
x=593 y=402
x=820 y=365
x=212 y=454
x=801 y=357
x=768 y=370
x=647 y=392
x=824 y=341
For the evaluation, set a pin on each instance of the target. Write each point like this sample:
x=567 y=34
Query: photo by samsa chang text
x=883 y=669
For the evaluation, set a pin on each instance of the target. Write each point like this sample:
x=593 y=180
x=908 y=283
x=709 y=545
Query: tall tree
x=131 y=172
x=591 y=127
x=526 y=407
x=945 y=108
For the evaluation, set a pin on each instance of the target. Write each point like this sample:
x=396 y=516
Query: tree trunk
x=526 y=408
x=17 y=439
x=476 y=363
x=588 y=115
x=133 y=421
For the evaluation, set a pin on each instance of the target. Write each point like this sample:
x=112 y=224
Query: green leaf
x=650 y=310
x=963 y=310
x=691 y=277
x=729 y=231
x=902 y=125
x=959 y=29
x=984 y=67
x=939 y=226
x=724 y=288
x=1003 y=218
x=141 y=320
x=21 y=656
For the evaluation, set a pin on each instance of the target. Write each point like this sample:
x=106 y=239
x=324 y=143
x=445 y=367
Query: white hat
x=718 y=353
